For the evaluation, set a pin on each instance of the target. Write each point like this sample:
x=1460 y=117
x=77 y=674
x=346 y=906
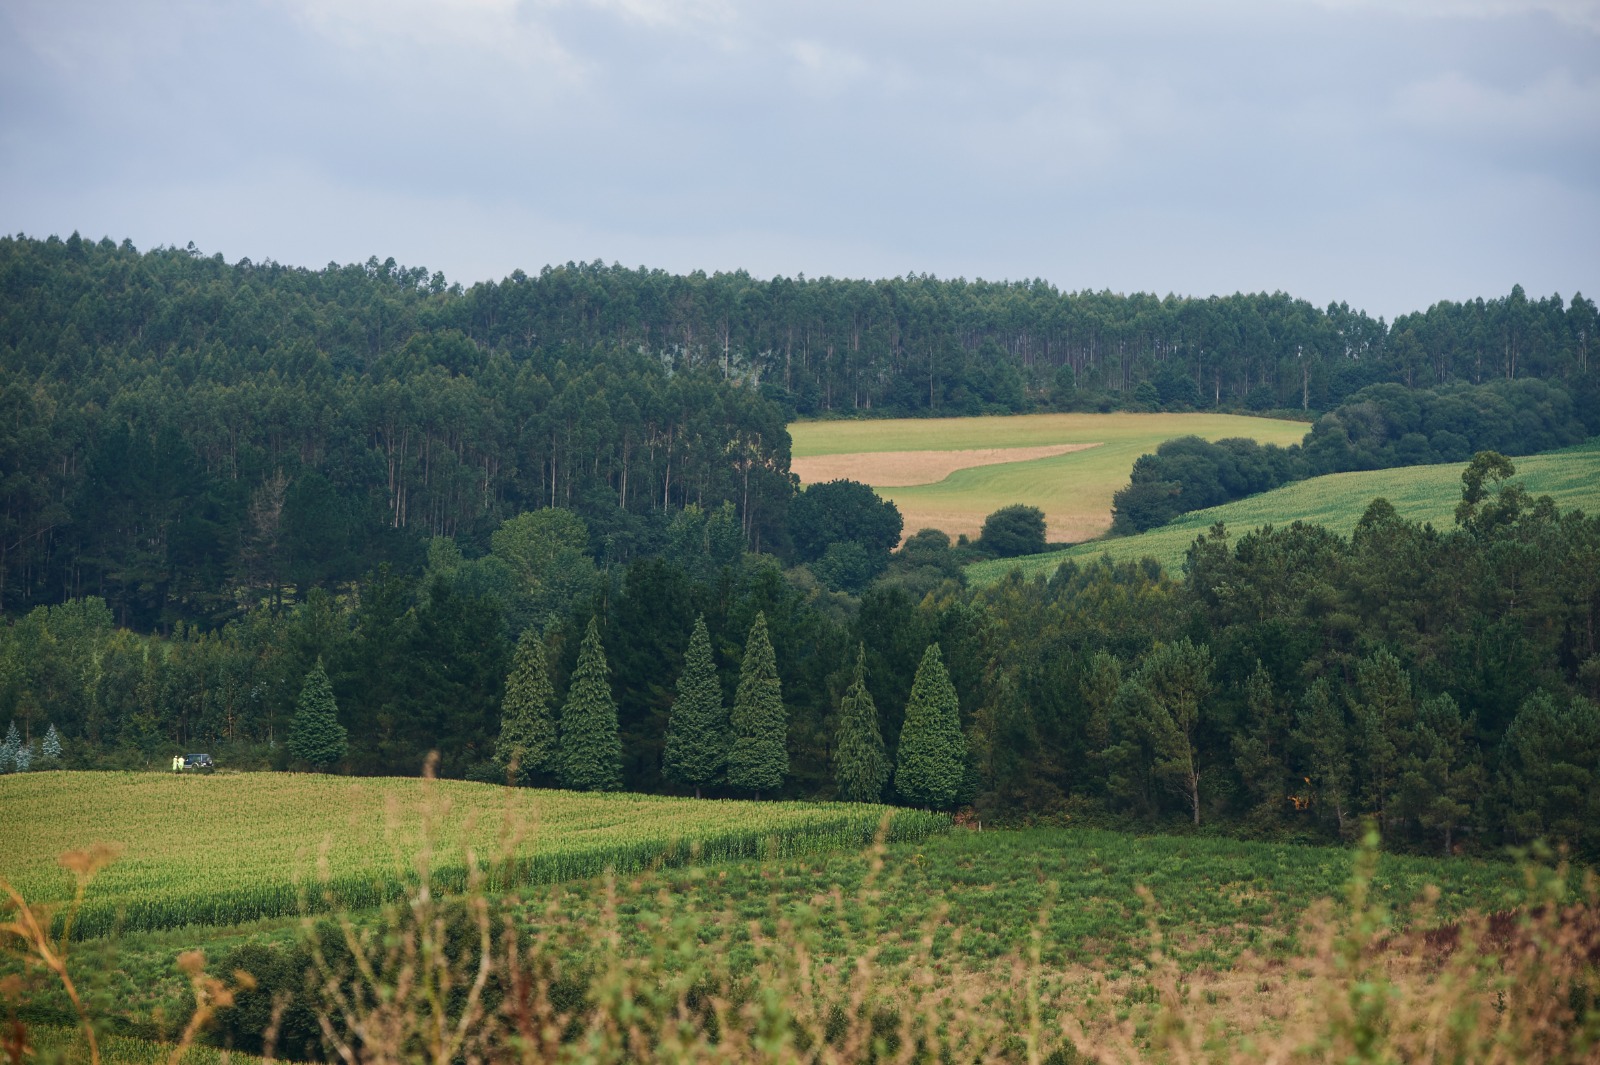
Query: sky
x=1386 y=153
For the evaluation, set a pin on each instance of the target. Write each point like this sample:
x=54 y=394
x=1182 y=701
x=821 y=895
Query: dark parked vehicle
x=201 y=762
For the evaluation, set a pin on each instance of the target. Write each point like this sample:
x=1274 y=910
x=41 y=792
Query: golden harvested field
x=975 y=476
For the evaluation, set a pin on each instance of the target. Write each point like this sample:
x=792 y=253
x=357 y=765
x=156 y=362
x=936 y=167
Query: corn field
x=224 y=849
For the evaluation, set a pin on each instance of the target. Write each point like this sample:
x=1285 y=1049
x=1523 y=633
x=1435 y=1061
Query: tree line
x=1380 y=427
x=1292 y=682
x=183 y=437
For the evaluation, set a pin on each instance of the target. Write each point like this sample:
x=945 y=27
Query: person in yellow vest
x=177 y=762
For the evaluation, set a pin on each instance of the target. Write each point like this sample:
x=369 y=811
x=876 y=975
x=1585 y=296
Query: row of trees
x=184 y=438
x=709 y=746
x=1379 y=427
x=1443 y=680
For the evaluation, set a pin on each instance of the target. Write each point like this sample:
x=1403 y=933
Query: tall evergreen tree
x=9 y=748
x=759 y=758
x=527 y=727
x=50 y=750
x=1549 y=781
x=1176 y=680
x=315 y=735
x=1258 y=748
x=860 y=760
x=1385 y=717
x=1441 y=779
x=931 y=762
x=590 y=747
x=1323 y=739
x=696 y=752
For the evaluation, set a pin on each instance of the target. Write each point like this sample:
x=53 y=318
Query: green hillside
x=1421 y=493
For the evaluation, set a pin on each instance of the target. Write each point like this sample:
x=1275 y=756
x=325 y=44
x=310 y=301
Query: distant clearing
x=1419 y=493
x=1086 y=458
x=902 y=468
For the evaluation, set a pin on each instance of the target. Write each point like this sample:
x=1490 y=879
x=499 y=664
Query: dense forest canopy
x=222 y=482
x=184 y=437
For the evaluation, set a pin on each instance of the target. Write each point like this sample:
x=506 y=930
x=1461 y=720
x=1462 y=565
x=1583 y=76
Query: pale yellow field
x=1073 y=488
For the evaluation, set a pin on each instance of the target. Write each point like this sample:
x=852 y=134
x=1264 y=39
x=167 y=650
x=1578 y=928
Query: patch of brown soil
x=900 y=469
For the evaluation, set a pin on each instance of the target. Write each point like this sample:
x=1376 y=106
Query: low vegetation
x=1335 y=501
x=239 y=847
x=1065 y=945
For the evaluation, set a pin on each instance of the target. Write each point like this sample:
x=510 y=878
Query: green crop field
x=237 y=847
x=1074 y=490
x=1420 y=493
x=981 y=894
x=949 y=905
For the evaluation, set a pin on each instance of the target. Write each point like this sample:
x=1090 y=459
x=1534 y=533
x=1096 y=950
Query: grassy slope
x=217 y=849
x=1420 y=493
x=1073 y=490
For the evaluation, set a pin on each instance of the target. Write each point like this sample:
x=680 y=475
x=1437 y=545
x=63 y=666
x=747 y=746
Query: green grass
x=227 y=848
x=1074 y=490
x=69 y=1047
x=978 y=895
x=1419 y=493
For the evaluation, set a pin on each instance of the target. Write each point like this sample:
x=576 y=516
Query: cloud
x=1557 y=108
x=1154 y=144
x=1584 y=14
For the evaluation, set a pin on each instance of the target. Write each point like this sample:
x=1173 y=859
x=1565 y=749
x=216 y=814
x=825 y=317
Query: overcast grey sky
x=1389 y=153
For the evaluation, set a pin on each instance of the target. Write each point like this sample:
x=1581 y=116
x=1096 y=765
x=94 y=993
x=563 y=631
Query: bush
x=1012 y=531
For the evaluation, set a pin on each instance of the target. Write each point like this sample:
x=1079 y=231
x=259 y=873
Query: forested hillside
x=183 y=436
x=222 y=481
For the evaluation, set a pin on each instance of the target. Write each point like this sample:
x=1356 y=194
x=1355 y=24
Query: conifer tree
x=696 y=751
x=527 y=727
x=9 y=747
x=931 y=762
x=860 y=761
x=1323 y=739
x=1258 y=748
x=590 y=748
x=759 y=758
x=50 y=750
x=315 y=735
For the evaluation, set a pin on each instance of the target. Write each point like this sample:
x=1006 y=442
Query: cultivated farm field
x=1094 y=923
x=1336 y=501
x=223 y=849
x=950 y=473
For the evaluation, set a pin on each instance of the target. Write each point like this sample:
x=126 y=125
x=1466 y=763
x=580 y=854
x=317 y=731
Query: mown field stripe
x=231 y=848
x=1571 y=476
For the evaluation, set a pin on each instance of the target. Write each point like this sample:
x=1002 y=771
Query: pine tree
x=24 y=758
x=696 y=751
x=315 y=735
x=860 y=761
x=759 y=758
x=1176 y=679
x=932 y=759
x=1323 y=738
x=50 y=751
x=527 y=727
x=9 y=748
x=590 y=748
x=1258 y=748
x=1385 y=718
